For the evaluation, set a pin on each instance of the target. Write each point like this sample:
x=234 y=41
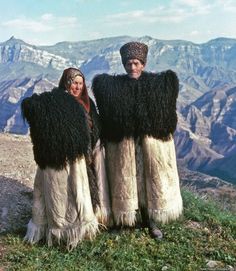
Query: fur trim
x=72 y=236
x=132 y=108
x=127 y=218
x=164 y=216
x=103 y=215
x=58 y=128
x=35 y=232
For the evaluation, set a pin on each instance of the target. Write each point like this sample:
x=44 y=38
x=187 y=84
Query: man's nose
x=132 y=67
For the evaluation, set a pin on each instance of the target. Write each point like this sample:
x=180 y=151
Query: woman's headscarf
x=66 y=80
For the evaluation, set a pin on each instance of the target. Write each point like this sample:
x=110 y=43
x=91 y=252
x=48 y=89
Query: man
x=138 y=115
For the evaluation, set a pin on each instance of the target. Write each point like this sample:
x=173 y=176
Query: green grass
x=183 y=248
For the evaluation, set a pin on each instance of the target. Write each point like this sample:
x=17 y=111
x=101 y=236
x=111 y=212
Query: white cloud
x=94 y=35
x=160 y=14
x=47 y=17
x=27 y=24
x=192 y=7
x=228 y=5
x=204 y=7
x=194 y=33
x=176 y=12
x=190 y=3
x=46 y=23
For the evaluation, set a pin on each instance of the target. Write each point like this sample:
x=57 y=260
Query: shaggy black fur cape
x=132 y=108
x=58 y=127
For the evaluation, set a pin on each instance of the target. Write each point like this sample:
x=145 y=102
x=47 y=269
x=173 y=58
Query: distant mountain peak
x=222 y=41
x=207 y=75
x=13 y=41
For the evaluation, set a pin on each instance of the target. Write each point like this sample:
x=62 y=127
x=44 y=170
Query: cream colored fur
x=102 y=212
x=62 y=207
x=121 y=170
x=143 y=174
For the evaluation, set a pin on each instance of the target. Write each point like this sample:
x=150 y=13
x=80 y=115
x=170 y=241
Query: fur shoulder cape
x=58 y=128
x=131 y=108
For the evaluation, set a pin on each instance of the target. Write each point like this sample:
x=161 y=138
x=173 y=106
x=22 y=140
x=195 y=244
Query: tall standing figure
x=138 y=116
x=70 y=195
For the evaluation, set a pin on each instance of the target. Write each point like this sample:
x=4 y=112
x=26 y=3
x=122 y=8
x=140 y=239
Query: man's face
x=134 y=68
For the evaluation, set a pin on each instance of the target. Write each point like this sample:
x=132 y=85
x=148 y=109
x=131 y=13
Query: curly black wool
x=96 y=127
x=132 y=108
x=93 y=185
x=58 y=128
x=95 y=135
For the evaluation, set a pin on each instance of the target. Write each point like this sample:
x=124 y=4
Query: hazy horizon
x=51 y=21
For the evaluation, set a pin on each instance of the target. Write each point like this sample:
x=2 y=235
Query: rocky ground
x=17 y=170
x=210 y=187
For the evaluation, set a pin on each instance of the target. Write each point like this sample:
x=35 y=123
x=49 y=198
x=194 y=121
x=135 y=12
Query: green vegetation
x=204 y=233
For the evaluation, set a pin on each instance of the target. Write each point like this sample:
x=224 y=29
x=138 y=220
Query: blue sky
x=46 y=22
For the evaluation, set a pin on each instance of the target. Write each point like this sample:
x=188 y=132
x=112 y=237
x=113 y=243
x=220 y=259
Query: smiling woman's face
x=76 y=86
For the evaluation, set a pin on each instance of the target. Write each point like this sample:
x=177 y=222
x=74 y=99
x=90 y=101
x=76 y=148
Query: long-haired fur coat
x=70 y=188
x=138 y=119
x=58 y=128
x=132 y=108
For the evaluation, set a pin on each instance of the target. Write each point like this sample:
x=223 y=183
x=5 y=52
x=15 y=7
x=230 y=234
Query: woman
x=70 y=189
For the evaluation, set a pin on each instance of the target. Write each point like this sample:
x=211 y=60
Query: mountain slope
x=207 y=73
x=206 y=138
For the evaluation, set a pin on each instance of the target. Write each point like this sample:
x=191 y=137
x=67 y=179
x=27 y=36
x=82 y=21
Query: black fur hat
x=134 y=50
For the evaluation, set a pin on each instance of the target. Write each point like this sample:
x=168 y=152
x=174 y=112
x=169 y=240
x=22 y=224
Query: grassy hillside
x=204 y=237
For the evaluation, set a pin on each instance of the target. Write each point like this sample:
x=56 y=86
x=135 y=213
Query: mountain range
x=206 y=133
